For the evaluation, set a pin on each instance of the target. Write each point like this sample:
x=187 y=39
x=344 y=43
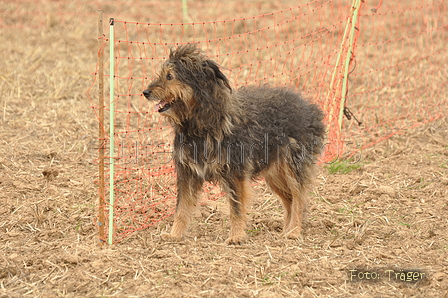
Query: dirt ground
x=389 y=214
x=376 y=227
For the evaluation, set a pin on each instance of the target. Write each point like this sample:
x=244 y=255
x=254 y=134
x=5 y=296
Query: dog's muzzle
x=147 y=93
x=162 y=106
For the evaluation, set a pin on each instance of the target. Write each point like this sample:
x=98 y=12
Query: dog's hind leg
x=278 y=185
x=240 y=193
x=188 y=187
x=299 y=185
x=292 y=190
x=293 y=228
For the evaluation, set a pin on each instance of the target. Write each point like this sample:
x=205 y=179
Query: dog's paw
x=169 y=237
x=235 y=240
x=292 y=235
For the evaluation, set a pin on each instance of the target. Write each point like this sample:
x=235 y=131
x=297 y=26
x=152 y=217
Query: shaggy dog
x=233 y=136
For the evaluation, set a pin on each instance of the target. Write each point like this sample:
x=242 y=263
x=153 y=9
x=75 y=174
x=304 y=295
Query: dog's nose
x=146 y=93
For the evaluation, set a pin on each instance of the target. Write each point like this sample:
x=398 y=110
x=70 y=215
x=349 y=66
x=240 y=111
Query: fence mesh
x=399 y=73
x=396 y=81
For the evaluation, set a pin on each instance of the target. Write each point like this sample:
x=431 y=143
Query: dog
x=231 y=137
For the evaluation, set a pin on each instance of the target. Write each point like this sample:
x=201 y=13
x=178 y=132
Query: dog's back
x=283 y=110
x=279 y=118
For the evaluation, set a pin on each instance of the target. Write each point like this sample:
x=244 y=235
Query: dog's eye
x=169 y=76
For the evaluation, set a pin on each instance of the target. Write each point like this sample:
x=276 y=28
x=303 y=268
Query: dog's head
x=188 y=84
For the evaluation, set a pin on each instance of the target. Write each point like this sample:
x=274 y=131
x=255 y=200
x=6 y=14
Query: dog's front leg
x=240 y=196
x=188 y=187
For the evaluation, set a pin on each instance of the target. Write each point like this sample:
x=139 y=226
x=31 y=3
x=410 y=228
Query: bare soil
x=385 y=218
x=389 y=214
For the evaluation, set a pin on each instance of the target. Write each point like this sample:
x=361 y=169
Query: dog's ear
x=219 y=76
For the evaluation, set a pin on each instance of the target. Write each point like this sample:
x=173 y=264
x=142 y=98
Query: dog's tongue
x=160 y=105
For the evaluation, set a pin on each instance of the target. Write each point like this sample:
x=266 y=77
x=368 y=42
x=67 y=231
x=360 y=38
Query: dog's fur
x=233 y=136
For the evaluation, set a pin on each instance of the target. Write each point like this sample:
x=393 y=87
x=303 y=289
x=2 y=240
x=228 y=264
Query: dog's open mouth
x=163 y=106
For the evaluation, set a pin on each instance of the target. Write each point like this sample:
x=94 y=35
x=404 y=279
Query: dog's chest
x=208 y=172
x=203 y=157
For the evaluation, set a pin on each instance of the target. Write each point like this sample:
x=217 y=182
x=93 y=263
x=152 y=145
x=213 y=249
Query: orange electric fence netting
x=399 y=71
x=396 y=80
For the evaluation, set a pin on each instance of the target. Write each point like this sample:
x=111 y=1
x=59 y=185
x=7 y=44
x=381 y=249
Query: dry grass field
x=385 y=214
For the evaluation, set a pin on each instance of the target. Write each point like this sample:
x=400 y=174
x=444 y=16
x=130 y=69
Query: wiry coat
x=230 y=137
